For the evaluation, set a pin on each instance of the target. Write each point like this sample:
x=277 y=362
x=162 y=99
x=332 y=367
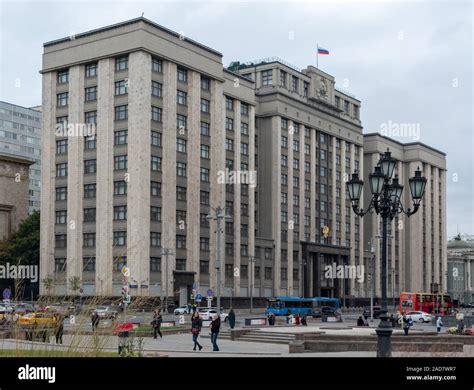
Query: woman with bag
x=196 y=325
x=156 y=323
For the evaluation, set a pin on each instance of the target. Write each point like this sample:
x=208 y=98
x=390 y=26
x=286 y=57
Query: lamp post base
x=384 y=332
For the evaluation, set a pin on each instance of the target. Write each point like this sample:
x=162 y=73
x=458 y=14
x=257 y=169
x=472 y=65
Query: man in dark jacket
x=215 y=327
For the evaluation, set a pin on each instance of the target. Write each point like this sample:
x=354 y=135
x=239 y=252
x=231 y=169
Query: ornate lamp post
x=386 y=202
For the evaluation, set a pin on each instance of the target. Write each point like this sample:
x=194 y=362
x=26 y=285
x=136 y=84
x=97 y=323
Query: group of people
x=294 y=319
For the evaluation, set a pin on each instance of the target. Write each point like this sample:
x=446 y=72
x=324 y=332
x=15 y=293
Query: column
x=291 y=221
x=236 y=219
x=75 y=176
x=139 y=166
x=48 y=175
x=276 y=200
x=251 y=238
x=105 y=182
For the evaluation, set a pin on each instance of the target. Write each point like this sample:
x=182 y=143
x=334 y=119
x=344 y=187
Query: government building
x=147 y=134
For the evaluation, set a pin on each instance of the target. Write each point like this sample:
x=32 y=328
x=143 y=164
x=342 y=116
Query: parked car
x=207 y=313
x=376 y=309
x=181 y=310
x=63 y=308
x=108 y=312
x=317 y=312
x=42 y=319
x=328 y=310
x=23 y=308
x=419 y=316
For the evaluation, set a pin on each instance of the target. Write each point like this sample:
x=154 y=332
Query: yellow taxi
x=41 y=319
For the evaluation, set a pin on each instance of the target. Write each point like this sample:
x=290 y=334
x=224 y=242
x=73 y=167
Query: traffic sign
x=210 y=293
x=125 y=271
x=81 y=291
x=7 y=293
x=198 y=298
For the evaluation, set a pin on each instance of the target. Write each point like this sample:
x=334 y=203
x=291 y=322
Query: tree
x=48 y=283
x=24 y=246
x=75 y=284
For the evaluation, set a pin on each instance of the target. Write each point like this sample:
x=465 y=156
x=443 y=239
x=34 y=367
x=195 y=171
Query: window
x=61 y=170
x=180 y=217
x=284 y=274
x=155 y=239
x=155 y=213
x=91 y=69
x=322 y=171
x=59 y=263
x=181 y=145
x=307 y=167
x=323 y=188
x=182 y=74
x=155 y=188
x=180 y=264
x=284 y=160
x=88 y=264
x=205 y=174
x=205 y=83
x=61 y=241
x=89 y=214
x=121 y=63
x=244 y=128
x=90 y=117
x=181 y=169
x=120 y=238
x=204 y=197
x=284 y=123
x=284 y=179
x=307 y=202
x=61 y=193
x=61 y=216
x=244 y=109
x=229 y=248
x=305 y=88
x=229 y=144
x=346 y=107
x=61 y=146
x=90 y=142
x=181 y=122
x=204 y=221
x=307 y=185
x=204 y=244
x=205 y=151
x=229 y=124
x=88 y=240
x=338 y=101
x=89 y=190
x=156 y=163
x=181 y=97
x=120 y=162
x=63 y=76
x=155 y=264
x=121 y=137
x=229 y=104
x=294 y=84
x=268 y=254
x=121 y=87
x=155 y=114
x=156 y=65
x=204 y=267
x=323 y=154
x=205 y=105
x=62 y=99
x=120 y=187
x=284 y=141
x=323 y=205
x=356 y=111
x=322 y=138
x=90 y=94
x=180 y=242
x=257 y=272
x=268 y=273
x=244 y=148
x=284 y=198
x=244 y=250
x=283 y=78
x=120 y=213
x=296 y=163
x=156 y=89
x=181 y=193
x=205 y=129
x=121 y=112
x=90 y=166
x=267 y=77
x=296 y=181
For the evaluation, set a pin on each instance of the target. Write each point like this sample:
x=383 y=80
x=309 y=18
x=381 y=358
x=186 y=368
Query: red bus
x=427 y=302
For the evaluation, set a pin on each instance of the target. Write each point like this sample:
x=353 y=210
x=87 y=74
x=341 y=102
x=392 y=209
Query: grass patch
x=149 y=329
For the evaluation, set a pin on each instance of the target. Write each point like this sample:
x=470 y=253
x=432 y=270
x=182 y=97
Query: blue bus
x=282 y=306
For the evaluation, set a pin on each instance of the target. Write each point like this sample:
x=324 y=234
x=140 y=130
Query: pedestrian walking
x=59 y=329
x=194 y=308
x=95 y=321
x=392 y=320
x=231 y=318
x=304 y=321
x=215 y=328
x=439 y=324
x=190 y=308
x=271 y=319
x=297 y=319
x=156 y=324
x=196 y=325
x=407 y=323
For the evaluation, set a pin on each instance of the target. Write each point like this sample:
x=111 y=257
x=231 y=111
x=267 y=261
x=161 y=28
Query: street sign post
x=209 y=302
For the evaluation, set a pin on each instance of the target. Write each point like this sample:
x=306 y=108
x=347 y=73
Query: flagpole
x=317 y=56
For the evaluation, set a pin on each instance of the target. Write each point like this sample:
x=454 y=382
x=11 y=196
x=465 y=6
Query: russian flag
x=323 y=51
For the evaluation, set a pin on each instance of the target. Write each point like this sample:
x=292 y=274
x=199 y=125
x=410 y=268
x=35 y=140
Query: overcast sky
x=409 y=63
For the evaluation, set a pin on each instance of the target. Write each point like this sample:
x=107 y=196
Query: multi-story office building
x=460 y=265
x=20 y=135
x=309 y=139
x=417 y=257
x=169 y=120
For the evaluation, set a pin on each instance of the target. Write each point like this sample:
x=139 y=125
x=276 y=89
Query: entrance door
x=183 y=295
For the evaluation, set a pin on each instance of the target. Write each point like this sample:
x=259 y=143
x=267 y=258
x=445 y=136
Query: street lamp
x=218 y=217
x=386 y=202
x=164 y=291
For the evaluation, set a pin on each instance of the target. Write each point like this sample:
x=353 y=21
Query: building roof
x=367 y=135
x=128 y=22
x=458 y=243
x=16 y=159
